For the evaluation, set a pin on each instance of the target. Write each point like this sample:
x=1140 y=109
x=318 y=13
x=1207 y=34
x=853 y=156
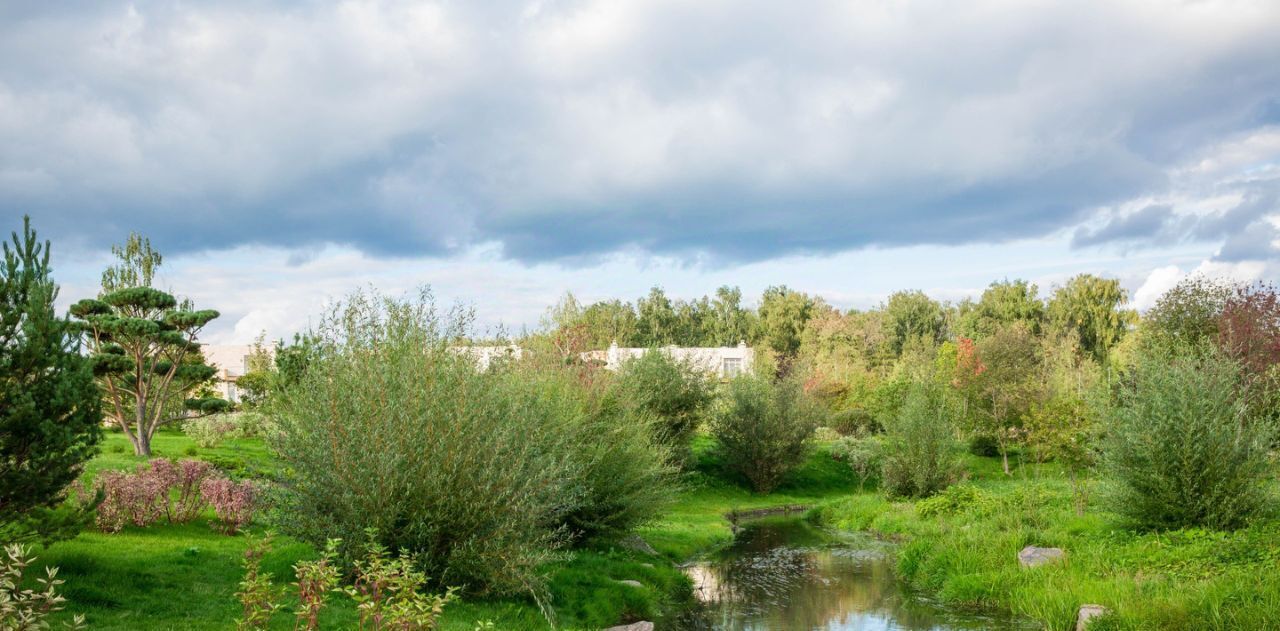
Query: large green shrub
x=626 y=475
x=763 y=428
x=919 y=453
x=1181 y=446
x=676 y=393
x=472 y=472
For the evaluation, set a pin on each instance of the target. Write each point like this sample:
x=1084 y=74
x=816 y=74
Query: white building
x=723 y=361
x=484 y=355
x=231 y=361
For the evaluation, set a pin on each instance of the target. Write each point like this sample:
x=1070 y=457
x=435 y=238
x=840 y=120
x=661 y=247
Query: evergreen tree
x=144 y=349
x=49 y=404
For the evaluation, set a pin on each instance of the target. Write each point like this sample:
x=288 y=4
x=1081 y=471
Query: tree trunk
x=1004 y=459
x=142 y=439
x=142 y=446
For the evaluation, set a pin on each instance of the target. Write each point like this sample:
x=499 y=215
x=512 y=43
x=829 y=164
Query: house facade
x=485 y=355
x=725 y=362
x=231 y=361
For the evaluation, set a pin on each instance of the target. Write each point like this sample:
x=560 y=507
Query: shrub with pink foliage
x=189 y=502
x=232 y=502
x=160 y=488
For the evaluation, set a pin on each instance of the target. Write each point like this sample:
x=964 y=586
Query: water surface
x=783 y=574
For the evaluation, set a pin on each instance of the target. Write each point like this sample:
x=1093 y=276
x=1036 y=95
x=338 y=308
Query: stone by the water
x=1087 y=613
x=635 y=626
x=1032 y=556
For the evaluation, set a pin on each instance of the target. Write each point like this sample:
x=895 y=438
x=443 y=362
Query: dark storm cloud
x=736 y=131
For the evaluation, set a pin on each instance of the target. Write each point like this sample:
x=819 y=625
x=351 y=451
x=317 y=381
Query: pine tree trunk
x=142 y=439
x=142 y=446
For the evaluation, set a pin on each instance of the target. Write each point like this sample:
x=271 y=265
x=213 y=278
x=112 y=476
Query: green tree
x=1004 y=302
x=1188 y=314
x=730 y=323
x=1007 y=383
x=293 y=360
x=913 y=316
x=144 y=348
x=257 y=384
x=693 y=322
x=655 y=319
x=1090 y=306
x=609 y=321
x=137 y=265
x=783 y=314
x=49 y=404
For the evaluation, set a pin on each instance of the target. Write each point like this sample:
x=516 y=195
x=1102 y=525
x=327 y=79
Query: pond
x=783 y=574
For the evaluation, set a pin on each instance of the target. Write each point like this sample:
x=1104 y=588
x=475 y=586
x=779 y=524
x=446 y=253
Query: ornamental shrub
x=1181 y=445
x=853 y=421
x=474 y=473
x=209 y=431
x=233 y=502
x=178 y=492
x=919 y=457
x=763 y=428
x=863 y=454
x=160 y=488
x=23 y=607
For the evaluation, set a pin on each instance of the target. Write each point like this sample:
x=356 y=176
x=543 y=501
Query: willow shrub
x=1181 y=446
x=626 y=476
x=677 y=394
x=474 y=473
x=763 y=428
x=919 y=450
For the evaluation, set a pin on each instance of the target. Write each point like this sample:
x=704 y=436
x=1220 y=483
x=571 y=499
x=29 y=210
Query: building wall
x=231 y=362
x=722 y=361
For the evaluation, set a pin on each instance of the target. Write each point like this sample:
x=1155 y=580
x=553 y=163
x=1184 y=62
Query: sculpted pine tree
x=144 y=349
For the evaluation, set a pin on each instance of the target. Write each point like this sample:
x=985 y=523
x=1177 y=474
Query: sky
x=281 y=154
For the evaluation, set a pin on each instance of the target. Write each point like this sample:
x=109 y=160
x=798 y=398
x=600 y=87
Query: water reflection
x=784 y=574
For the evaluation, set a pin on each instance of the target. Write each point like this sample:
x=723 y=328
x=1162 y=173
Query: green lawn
x=184 y=577
x=966 y=554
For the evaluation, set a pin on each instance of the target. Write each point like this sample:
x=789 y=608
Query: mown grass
x=185 y=576
x=966 y=554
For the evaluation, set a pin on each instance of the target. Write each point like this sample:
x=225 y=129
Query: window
x=731 y=366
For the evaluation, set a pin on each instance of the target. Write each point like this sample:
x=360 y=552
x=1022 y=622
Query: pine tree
x=143 y=345
x=49 y=405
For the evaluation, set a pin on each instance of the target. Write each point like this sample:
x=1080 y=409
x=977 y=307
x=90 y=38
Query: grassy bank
x=963 y=547
x=185 y=577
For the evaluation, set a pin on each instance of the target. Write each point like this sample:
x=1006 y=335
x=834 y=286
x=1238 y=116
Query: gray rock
x=635 y=626
x=631 y=583
x=1031 y=556
x=634 y=542
x=1087 y=613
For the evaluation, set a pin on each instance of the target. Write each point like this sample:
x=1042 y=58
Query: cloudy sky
x=283 y=153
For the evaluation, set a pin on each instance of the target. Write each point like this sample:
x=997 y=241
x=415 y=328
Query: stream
x=783 y=574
